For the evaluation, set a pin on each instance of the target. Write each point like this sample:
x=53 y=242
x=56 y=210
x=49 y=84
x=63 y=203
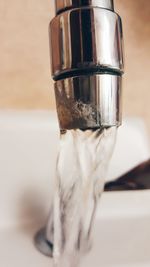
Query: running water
x=80 y=174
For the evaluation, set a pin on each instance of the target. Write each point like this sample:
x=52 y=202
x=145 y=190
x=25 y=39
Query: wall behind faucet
x=24 y=55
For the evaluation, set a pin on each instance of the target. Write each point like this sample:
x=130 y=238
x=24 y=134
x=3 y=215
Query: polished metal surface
x=42 y=244
x=87 y=63
x=86 y=39
x=89 y=101
x=70 y=4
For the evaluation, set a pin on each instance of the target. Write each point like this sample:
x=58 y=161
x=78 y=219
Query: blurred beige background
x=25 y=81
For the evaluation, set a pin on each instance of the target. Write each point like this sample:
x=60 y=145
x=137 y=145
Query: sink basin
x=121 y=236
x=29 y=145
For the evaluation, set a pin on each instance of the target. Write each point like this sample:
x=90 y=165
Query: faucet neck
x=62 y=5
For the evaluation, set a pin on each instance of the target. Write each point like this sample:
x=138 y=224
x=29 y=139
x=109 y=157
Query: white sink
x=28 y=149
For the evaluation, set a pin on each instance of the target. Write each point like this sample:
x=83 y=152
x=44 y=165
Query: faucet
x=87 y=63
x=87 y=67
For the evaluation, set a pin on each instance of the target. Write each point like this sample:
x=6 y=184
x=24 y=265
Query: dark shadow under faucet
x=136 y=179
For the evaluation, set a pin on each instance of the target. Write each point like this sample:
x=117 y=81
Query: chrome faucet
x=87 y=63
x=87 y=67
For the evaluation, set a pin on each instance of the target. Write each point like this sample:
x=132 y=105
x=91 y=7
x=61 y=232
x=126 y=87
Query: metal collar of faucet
x=87 y=39
x=89 y=101
x=86 y=45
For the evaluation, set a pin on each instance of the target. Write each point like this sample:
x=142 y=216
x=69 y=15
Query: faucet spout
x=87 y=63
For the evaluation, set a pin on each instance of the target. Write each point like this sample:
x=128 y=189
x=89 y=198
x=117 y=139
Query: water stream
x=81 y=168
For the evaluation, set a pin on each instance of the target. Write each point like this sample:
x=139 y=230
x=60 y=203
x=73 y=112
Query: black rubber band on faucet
x=87 y=72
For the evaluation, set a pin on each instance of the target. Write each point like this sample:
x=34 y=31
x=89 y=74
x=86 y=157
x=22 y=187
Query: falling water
x=80 y=174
